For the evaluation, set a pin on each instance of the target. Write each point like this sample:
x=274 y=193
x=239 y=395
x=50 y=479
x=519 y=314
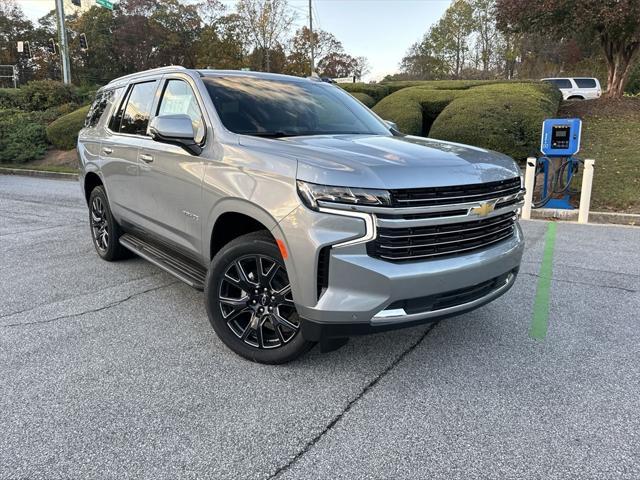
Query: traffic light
x=77 y=3
x=51 y=46
x=27 y=49
x=83 y=42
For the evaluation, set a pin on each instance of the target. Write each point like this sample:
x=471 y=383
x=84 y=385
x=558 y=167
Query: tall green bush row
x=506 y=118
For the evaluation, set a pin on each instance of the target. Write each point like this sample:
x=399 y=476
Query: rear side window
x=585 y=82
x=102 y=103
x=178 y=97
x=96 y=110
x=135 y=117
x=561 y=82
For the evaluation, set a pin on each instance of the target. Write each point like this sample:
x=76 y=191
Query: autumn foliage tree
x=615 y=22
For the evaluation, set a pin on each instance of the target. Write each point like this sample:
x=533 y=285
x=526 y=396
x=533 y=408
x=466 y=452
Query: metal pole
x=313 y=66
x=585 y=193
x=64 y=47
x=529 y=180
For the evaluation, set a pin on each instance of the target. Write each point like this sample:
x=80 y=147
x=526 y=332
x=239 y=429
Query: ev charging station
x=559 y=143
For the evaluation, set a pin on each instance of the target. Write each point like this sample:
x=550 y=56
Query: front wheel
x=249 y=301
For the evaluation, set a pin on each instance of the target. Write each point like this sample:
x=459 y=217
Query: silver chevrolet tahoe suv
x=303 y=216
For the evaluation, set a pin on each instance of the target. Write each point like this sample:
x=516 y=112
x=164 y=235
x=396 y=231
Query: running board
x=177 y=265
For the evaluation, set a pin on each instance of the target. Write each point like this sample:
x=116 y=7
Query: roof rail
x=167 y=69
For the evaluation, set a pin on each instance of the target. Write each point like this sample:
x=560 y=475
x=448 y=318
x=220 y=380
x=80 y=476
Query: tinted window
x=136 y=114
x=96 y=110
x=256 y=106
x=585 y=82
x=117 y=107
x=561 y=82
x=178 y=97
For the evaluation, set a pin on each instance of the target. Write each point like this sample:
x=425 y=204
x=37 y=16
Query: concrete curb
x=38 y=173
x=594 y=217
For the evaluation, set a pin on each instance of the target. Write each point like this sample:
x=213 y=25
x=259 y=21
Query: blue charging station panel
x=560 y=137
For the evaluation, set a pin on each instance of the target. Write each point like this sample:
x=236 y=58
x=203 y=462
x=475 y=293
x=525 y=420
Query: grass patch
x=41 y=168
x=611 y=136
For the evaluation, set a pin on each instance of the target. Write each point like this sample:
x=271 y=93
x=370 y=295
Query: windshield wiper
x=278 y=134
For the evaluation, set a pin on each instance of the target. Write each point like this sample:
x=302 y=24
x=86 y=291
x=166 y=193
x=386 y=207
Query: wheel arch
x=91 y=181
x=233 y=218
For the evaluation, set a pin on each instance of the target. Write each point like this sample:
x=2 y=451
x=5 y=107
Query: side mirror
x=176 y=130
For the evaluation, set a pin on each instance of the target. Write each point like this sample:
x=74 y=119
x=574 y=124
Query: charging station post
x=559 y=142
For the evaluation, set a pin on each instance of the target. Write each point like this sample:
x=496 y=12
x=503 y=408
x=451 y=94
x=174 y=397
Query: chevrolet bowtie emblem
x=484 y=209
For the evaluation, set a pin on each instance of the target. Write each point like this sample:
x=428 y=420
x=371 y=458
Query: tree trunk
x=619 y=55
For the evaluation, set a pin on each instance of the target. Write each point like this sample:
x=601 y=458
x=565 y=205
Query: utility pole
x=313 y=63
x=64 y=46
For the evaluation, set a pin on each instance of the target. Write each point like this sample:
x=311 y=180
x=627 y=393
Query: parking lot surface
x=111 y=370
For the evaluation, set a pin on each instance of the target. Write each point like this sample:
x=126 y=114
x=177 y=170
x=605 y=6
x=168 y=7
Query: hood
x=377 y=161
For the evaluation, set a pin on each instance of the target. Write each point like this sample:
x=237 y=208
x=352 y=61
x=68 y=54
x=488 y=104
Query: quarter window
x=585 y=82
x=178 y=98
x=135 y=118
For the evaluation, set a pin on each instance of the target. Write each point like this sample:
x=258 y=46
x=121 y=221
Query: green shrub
x=502 y=117
x=63 y=133
x=9 y=98
x=364 y=98
x=53 y=113
x=22 y=137
x=44 y=94
x=414 y=109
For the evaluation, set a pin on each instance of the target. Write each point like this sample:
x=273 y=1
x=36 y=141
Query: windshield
x=275 y=108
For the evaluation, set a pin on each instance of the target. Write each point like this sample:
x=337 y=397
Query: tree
x=451 y=34
x=485 y=26
x=299 y=58
x=615 y=22
x=223 y=45
x=268 y=22
x=14 y=27
x=443 y=49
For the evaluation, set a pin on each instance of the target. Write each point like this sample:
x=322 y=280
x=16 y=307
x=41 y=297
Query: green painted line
x=540 y=320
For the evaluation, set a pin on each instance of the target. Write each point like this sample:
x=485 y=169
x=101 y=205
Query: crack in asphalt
x=42 y=228
x=105 y=307
x=589 y=284
x=569 y=266
x=368 y=387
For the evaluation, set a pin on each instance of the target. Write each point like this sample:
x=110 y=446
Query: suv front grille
x=420 y=197
x=405 y=244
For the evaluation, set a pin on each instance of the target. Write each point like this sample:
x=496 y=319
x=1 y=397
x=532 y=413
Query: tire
x=105 y=231
x=252 y=310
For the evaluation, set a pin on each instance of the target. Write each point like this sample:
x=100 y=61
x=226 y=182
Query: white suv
x=577 y=88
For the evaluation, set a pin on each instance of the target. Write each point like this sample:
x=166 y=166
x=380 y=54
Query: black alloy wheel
x=250 y=303
x=105 y=231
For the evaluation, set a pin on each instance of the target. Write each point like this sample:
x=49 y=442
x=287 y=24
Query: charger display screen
x=560 y=136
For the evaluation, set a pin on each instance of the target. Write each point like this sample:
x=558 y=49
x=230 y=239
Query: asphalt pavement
x=111 y=370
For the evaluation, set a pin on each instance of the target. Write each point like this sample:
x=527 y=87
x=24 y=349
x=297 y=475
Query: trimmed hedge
x=22 y=137
x=9 y=98
x=63 y=132
x=364 y=98
x=44 y=94
x=414 y=109
x=503 y=117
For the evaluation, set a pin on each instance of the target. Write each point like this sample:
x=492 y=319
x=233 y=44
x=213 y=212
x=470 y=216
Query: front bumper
x=366 y=295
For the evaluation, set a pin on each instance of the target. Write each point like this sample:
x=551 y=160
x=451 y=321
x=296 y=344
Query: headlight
x=312 y=193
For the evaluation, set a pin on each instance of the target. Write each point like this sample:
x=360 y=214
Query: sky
x=381 y=30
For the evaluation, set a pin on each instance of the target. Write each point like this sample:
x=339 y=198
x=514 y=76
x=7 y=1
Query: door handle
x=107 y=150
x=146 y=158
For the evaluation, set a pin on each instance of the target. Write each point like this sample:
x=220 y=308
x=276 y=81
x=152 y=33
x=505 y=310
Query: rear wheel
x=249 y=301
x=105 y=231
